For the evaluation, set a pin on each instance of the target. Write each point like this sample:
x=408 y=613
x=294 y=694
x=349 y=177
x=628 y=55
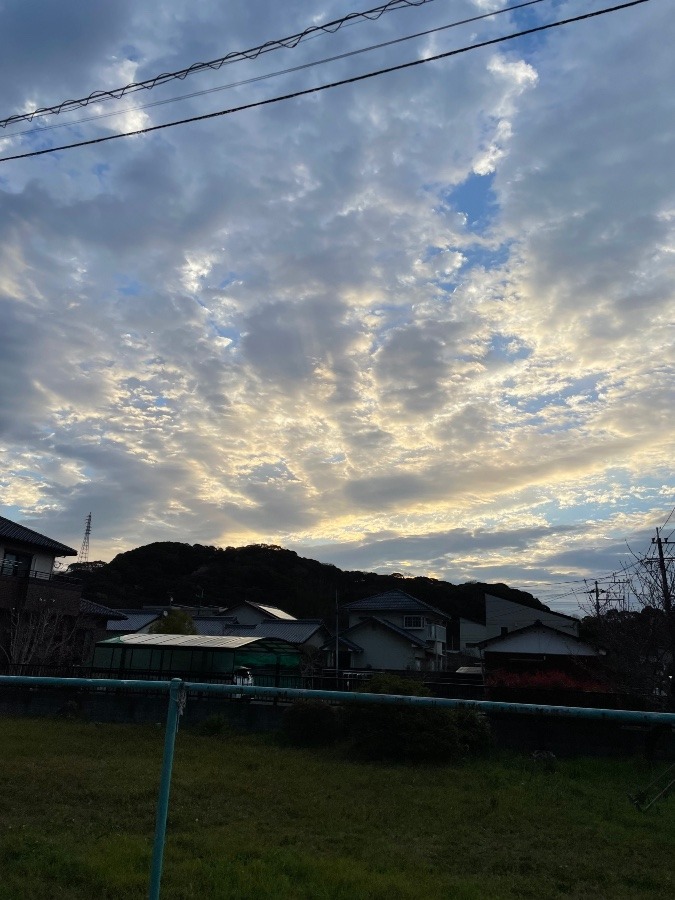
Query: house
x=25 y=553
x=132 y=621
x=495 y=617
x=306 y=635
x=140 y=621
x=539 y=648
x=39 y=606
x=303 y=633
x=394 y=631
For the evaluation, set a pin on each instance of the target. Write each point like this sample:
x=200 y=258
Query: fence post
x=176 y=704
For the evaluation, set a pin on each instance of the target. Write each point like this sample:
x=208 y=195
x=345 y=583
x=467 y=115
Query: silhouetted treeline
x=217 y=577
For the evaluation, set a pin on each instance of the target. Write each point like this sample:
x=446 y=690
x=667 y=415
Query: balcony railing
x=16 y=570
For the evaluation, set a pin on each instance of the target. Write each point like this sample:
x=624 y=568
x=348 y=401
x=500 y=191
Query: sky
x=420 y=323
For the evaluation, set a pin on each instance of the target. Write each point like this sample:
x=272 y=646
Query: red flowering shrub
x=546 y=680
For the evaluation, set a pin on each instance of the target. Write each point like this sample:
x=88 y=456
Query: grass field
x=253 y=820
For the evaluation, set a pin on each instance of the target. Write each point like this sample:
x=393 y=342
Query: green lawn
x=252 y=820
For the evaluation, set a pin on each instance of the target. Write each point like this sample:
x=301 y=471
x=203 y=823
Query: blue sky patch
x=476 y=199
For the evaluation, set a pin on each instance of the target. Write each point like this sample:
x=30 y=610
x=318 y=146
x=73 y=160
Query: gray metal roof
x=185 y=640
x=12 y=532
x=220 y=625
x=198 y=642
x=392 y=601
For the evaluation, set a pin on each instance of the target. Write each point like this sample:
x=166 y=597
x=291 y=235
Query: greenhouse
x=194 y=657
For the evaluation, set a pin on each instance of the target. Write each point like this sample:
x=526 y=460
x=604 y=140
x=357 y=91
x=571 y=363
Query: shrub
x=406 y=733
x=311 y=723
x=174 y=621
x=212 y=725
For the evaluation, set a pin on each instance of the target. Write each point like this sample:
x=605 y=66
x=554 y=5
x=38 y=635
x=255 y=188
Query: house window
x=16 y=563
x=412 y=622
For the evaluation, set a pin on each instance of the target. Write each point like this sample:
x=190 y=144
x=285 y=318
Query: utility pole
x=597 y=600
x=667 y=603
x=610 y=594
x=337 y=639
x=665 y=587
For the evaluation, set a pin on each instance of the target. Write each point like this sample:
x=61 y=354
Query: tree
x=633 y=618
x=39 y=631
x=174 y=621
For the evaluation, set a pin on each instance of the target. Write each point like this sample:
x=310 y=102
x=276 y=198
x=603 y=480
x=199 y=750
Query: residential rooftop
x=392 y=601
x=11 y=531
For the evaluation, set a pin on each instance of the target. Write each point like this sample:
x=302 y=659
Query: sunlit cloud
x=420 y=324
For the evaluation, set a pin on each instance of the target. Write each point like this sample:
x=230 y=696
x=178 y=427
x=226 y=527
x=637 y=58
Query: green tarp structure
x=193 y=655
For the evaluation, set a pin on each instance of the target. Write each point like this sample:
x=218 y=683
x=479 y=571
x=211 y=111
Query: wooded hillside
x=213 y=576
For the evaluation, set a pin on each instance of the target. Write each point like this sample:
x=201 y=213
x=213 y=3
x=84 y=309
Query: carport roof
x=200 y=642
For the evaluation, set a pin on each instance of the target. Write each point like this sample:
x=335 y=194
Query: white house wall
x=382 y=649
x=42 y=562
x=470 y=633
x=318 y=639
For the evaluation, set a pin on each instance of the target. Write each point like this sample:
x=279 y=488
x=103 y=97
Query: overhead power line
x=287 y=43
x=287 y=71
x=352 y=80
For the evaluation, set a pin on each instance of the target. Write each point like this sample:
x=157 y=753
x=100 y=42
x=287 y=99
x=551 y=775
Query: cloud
x=291 y=324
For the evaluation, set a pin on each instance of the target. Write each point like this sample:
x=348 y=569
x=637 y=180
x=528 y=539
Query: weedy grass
x=252 y=819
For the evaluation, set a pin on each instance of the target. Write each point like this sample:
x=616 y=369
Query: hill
x=216 y=577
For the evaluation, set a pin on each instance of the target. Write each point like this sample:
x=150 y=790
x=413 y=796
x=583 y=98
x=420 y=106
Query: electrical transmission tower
x=83 y=555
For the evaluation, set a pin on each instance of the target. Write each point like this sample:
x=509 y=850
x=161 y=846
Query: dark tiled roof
x=134 y=620
x=392 y=601
x=89 y=608
x=214 y=625
x=13 y=532
x=294 y=632
x=221 y=625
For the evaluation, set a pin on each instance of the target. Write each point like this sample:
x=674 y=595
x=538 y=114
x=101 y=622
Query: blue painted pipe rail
x=178 y=690
x=625 y=716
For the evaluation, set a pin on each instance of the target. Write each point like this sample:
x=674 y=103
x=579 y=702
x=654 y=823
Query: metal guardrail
x=178 y=691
